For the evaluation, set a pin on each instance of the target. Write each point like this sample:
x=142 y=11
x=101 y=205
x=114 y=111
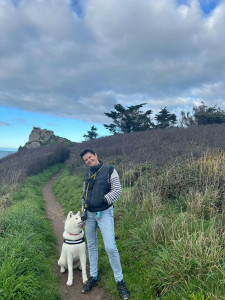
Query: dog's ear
x=70 y=214
x=78 y=213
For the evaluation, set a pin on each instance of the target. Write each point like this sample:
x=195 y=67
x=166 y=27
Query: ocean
x=5 y=153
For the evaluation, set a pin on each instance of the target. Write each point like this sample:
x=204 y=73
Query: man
x=101 y=189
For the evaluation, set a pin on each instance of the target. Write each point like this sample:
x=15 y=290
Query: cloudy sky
x=63 y=63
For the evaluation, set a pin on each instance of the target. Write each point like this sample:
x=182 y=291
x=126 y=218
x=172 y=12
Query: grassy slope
x=169 y=221
x=169 y=229
x=27 y=244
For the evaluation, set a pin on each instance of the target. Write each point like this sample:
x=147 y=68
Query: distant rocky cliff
x=41 y=137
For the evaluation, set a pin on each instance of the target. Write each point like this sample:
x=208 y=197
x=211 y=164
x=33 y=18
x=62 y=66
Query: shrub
x=157 y=147
x=16 y=167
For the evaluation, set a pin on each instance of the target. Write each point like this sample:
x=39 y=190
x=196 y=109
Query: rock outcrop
x=41 y=137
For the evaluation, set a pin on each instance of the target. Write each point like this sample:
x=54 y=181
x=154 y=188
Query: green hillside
x=169 y=221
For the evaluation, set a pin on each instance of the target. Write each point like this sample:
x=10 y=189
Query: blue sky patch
x=77 y=7
x=207 y=6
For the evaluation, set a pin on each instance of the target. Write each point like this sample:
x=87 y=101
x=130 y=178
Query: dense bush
x=158 y=146
x=16 y=167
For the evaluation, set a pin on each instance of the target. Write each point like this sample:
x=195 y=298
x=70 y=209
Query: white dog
x=74 y=248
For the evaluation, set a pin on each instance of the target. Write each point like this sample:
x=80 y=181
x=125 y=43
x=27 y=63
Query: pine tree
x=129 y=119
x=165 y=119
x=91 y=134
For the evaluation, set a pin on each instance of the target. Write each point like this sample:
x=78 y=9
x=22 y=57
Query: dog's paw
x=69 y=282
x=62 y=270
x=85 y=280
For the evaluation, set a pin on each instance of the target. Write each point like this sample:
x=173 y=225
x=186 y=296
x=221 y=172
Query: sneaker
x=124 y=293
x=88 y=286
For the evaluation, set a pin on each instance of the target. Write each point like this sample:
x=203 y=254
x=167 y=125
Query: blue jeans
x=106 y=226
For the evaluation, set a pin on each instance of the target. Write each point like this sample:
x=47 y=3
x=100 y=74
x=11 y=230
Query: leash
x=90 y=177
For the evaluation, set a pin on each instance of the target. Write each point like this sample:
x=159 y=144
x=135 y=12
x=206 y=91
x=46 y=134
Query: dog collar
x=75 y=233
x=71 y=242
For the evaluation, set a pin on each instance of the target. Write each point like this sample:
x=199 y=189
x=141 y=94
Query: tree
x=208 y=115
x=91 y=134
x=165 y=119
x=129 y=119
x=186 y=119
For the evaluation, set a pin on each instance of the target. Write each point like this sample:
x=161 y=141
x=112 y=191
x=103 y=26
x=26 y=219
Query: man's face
x=90 y=159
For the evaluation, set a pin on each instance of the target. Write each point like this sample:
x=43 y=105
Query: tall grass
x=68 y=190
x=27 y=244
x=178 y=228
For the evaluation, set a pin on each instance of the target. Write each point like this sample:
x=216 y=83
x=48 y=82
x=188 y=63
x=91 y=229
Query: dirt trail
x=56 y=215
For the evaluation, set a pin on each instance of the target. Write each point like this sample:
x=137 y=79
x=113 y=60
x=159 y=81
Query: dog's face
x=73 y=222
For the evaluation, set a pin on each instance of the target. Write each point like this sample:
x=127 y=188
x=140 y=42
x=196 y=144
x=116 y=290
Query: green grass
x=169 y=226
x=27 y=244
x=68 y=190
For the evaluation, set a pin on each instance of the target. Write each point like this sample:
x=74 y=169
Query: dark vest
x=98 y=187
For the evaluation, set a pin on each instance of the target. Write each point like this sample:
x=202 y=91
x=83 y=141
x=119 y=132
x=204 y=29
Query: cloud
x=4 y=123
x=20 y=121
x=55 y=61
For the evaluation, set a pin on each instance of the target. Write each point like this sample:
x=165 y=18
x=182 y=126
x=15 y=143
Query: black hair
x=87 y=151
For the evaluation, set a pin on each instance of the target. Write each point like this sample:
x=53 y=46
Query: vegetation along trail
x=56 y=215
